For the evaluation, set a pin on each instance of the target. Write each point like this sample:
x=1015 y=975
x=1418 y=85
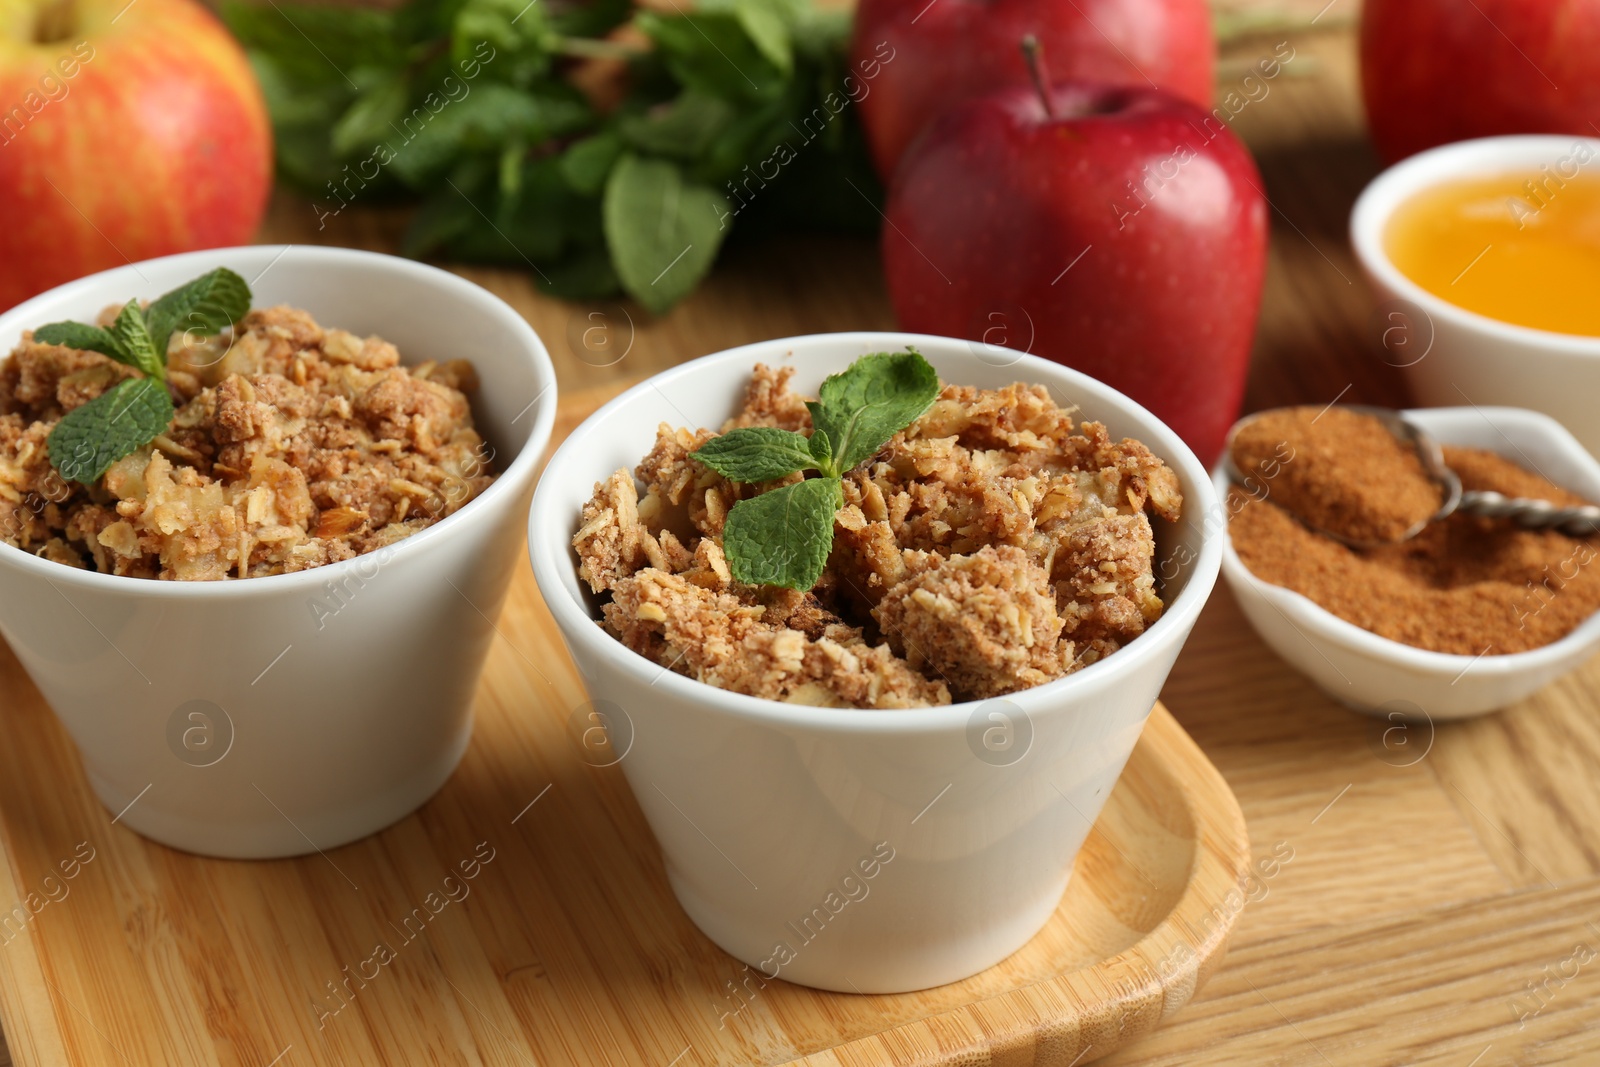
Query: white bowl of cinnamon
x=1470 y=615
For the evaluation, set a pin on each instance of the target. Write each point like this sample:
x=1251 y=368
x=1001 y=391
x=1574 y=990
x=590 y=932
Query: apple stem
x=1033 y=54
x=56 y=21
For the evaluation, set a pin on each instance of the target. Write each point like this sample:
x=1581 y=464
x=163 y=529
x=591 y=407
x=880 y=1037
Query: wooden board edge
x=1147 y=984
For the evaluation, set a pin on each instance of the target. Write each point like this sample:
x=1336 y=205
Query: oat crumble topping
x=992 y=546
x=293 y=447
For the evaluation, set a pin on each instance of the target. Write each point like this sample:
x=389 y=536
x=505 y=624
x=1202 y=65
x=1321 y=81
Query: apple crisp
x=293 y=447
x=991 y=546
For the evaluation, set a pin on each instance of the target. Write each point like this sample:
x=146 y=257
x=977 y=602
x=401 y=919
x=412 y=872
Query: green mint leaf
x=822 y=453
x=301 y=38
x=714 y=53
x=534 y=230
x=586 y=163
x=139 y=350
x=756 y=454
x=862 y=407
x=82 y=336
x=764 y=23
x=368 y=120
x=783 y=537
x=596 y=18
x=683 y=129
x=302 y=114
x=120 y=421
x=428 y=145
x=663 y=230
x=442 y=218
x=208 y=305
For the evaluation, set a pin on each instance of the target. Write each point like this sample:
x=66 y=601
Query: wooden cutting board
x=566 y=945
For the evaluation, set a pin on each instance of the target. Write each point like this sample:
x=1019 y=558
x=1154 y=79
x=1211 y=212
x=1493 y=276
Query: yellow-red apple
x=128 y=129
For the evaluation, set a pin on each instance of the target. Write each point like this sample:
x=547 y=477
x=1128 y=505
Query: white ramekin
x=274 y=716
x=1452 y=356
x=770 y=815
x=1381 y=677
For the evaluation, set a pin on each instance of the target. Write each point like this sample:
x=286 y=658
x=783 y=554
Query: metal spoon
x=1533 y=514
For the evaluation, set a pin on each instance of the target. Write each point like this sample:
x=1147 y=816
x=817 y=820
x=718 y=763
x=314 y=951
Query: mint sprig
x=784 y=536
x=125 y=418
x=118 y=422
x=732 y=116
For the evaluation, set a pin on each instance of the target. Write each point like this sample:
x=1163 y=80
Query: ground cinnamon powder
x=1464 y=585
x=1338 y=470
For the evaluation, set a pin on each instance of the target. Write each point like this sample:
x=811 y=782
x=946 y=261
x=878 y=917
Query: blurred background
x=563 y=154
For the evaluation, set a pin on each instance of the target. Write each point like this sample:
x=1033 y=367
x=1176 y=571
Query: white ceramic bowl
x=770 y=816
x=1382 y=677
x=237 y=718
x=1453 y=356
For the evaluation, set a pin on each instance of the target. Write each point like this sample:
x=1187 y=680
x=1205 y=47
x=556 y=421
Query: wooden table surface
x=1444 y=883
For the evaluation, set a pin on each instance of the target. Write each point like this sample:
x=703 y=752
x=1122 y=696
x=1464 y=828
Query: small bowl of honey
x=1485 y=257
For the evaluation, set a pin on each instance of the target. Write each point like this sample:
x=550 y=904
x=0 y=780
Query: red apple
x=127 y=130
x=1435 y=71
x=929 y=56
x=1122 y=232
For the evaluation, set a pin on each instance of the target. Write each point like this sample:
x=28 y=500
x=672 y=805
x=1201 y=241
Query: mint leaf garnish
x=118 y=422
x=89 y=439
x=784 y=536
x=206 y=306
x=79 y=335
x=860 y=408
x=757 y=454
x=822 y=451
x=138 y=348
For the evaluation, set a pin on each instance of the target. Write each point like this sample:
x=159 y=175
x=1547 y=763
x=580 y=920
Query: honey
x=1522 y=247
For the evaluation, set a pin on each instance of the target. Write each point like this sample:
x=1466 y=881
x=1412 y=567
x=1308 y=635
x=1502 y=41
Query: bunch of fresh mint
x=134 y=412
x=784 y=536
x=730 y=110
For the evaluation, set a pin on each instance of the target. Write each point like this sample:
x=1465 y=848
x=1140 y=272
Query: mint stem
x=592 y=48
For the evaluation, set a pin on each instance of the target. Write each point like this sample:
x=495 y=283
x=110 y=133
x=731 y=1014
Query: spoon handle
x=1534 y=514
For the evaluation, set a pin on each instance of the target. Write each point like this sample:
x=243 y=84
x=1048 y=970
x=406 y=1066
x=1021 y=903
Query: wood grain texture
x=567 y=946
x=1435 y=874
